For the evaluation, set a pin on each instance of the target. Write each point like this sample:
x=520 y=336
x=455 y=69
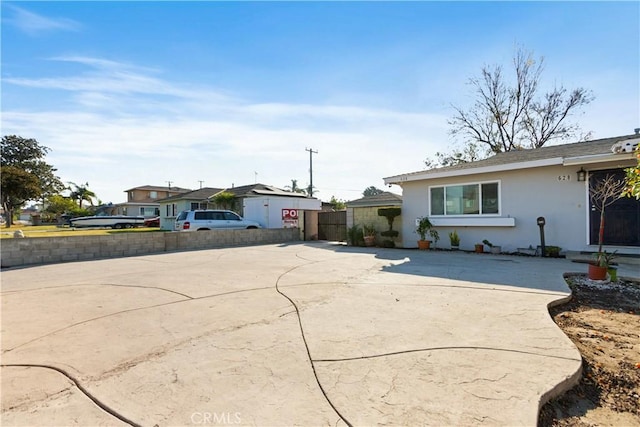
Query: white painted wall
x=552 y=192
x=167 y=221
x=267 y=211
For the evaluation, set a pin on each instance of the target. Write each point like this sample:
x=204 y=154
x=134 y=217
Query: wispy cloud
x=120 y=130
x=34 y=24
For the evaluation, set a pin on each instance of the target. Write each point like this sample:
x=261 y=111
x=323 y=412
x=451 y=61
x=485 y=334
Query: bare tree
x=469 y=153
x=513 y=115
x=604 y=193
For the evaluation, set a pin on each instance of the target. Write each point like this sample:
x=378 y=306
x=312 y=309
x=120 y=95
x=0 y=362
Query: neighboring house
x=264 y=203
x=144 y=200
x=364 y=211
x=30 y=215
x=254 y=190
x=500 y=198
x=171 y=207
x=276 y=208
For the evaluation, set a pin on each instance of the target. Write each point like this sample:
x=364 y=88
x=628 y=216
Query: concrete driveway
x=305 y=334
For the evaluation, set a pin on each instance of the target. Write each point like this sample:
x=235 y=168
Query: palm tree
x=81 y=193
x=294 y=187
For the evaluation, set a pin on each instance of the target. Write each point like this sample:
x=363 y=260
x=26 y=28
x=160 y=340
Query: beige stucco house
x=144 y=200
x=501 y=197
x=364 y=211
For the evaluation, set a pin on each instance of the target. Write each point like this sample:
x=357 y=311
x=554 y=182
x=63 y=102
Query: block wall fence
x=16 y=252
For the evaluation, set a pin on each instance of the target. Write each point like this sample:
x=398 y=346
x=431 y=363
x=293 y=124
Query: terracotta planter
x=596 y=272
x=480 y=248
x=424 y=244
x=369 y=241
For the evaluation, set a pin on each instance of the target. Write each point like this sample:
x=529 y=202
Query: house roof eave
x=597 y=158
x=373 y=204
x=426 y=175
x=604 y=151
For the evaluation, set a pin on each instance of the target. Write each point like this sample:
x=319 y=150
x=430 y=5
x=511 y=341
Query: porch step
x=585 y=256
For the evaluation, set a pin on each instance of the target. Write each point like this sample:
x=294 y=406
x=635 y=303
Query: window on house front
x=467 y=199
x=146 y=211
x=153 y=194
x=170 y=210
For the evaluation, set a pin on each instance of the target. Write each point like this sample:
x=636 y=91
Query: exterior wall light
x=582 y=175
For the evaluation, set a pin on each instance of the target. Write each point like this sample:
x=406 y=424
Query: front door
x=621 y=218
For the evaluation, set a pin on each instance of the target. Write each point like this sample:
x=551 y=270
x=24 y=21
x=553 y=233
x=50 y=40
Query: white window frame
x=471 y=220
x=463 y=215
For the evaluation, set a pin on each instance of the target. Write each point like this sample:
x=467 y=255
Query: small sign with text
x=290 y=218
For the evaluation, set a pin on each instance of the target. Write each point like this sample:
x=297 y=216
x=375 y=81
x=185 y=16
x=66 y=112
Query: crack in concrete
x=418 y=350
x=478 y=287
x=306 y=345
x=80 y=387
x=129 y=311
x=164 y=350
x=95 y=284
x=484 y=379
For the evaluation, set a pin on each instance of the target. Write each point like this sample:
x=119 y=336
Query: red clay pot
x=424 y=244
x=596 y=272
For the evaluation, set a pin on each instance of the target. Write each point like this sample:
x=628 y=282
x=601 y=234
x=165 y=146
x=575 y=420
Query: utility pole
x=311 y=152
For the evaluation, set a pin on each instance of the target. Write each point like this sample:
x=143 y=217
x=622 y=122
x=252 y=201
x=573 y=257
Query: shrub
x=355 y=236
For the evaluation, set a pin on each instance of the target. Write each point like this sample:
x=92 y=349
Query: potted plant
x=479 y=248
x=598 y=270
x=424 y=226
x=454 y=239
x=370 y=233
x=603 y=193
x=552 y=251
x=434 y=235
x=531 y=251
x=492 y=248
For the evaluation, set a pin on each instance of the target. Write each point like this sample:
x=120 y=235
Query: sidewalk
x=302 y=334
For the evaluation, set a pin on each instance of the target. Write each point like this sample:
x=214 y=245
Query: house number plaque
x=564 y=177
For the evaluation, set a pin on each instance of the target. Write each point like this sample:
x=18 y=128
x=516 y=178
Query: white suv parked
x=210 y=219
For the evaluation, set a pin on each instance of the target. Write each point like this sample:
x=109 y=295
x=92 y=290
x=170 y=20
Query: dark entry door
x=621 y=219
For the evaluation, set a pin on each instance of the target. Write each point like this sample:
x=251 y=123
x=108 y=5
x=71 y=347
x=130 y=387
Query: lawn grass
x=55 y=231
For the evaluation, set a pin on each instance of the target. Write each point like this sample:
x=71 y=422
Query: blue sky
x=140 y=93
